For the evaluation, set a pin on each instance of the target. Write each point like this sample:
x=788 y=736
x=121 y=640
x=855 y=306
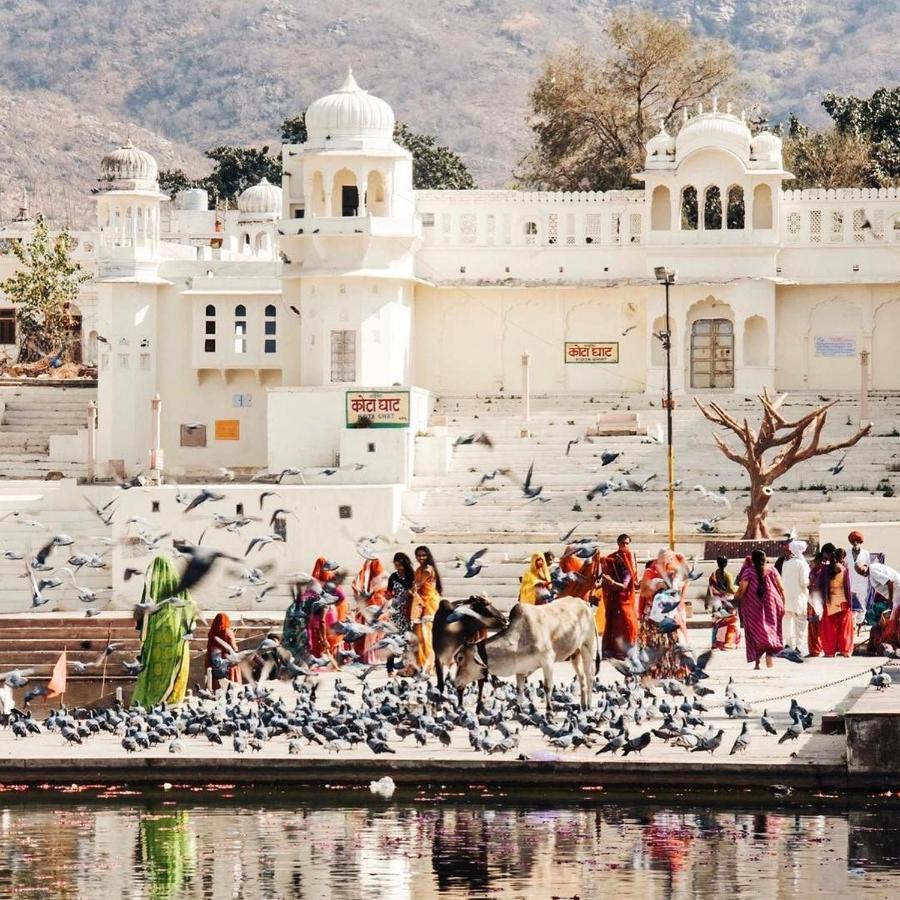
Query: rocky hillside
x=79 y=75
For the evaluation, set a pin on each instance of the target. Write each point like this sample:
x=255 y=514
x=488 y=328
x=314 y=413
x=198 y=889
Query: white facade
x=347 y=277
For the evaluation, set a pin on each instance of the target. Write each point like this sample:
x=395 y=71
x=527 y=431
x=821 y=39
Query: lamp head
x=665 y=275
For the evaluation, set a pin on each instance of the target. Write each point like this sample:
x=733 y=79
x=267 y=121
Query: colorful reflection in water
x=256 y=846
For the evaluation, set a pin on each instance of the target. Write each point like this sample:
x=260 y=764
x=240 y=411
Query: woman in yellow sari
x=535 y=585
x=165 y=654
x=424 y=601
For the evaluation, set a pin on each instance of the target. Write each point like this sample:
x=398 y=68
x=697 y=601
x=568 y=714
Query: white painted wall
x=881 y=537
x=314 y=528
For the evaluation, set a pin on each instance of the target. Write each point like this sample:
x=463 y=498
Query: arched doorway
x=712 y=354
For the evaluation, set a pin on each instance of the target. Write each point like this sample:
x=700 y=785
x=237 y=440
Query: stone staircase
x=31 y=415
x=58 y=507
x=512 y=527
x=36 y=642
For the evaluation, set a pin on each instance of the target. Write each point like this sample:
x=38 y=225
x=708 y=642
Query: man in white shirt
x=795 y=577
x=858 y=560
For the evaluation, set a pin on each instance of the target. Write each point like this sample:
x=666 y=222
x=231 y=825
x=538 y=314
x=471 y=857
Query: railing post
x=156 y=455
x=91 y=442
x=863 y=387
x=526 y=394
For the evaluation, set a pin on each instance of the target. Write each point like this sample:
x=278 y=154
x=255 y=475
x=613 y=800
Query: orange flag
x=57 y=683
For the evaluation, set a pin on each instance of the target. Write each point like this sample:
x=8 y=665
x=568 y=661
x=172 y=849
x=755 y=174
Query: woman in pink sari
x=761 y=596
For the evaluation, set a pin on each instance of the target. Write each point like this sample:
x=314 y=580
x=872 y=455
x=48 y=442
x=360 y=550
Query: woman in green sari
x=165 y=654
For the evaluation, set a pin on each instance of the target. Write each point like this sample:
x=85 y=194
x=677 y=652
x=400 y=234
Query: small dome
x=660 y=148
x=766 y=147
x=128 y=163
x=349 y=114
x=261 y=199
x=714 y=130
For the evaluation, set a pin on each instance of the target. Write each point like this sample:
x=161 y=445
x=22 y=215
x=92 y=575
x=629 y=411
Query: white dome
x=261 y=199
x=349 y=114
x=660 y=148
x=714 y=130
x=766 y=147
x=128 y=163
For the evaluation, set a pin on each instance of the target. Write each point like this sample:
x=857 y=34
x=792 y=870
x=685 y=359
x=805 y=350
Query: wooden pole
x=105 y=660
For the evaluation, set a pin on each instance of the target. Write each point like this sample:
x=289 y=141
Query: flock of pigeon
x=628 y=716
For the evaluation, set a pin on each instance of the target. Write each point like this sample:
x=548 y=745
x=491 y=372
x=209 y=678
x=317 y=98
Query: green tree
x=173 y=181
x=591 y=116
x=237 y=168
x=875 y=121
x=43 y=290
x=435 y=167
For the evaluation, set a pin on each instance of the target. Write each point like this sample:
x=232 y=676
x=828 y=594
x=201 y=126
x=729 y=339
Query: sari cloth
x=221 y=630
x=322 y=638
x=165 y=654
x=425 y=601
x=661 y=575
x=836 y=626
x=535 y=581
x=369 y=589
x=621 y=610
x=761 y=612
x=587 y=587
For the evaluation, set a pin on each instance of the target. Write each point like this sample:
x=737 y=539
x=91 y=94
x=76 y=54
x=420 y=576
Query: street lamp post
x=667 y=277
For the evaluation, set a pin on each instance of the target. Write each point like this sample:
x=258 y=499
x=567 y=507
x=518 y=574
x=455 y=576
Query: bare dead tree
x=795 y=441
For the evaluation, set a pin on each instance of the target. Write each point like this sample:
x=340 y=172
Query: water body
x=342 y=843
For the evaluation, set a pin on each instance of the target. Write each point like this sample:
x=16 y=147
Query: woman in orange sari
x=619 y=580
x=426 y=596
x=588 y=585
x=323 y=639
x=221 y=641
x=369 y=589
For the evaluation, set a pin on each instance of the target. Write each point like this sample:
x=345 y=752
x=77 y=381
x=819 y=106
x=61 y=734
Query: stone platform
x=815 y=761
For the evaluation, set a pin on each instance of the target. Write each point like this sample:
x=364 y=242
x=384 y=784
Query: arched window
x=712 y=209
x=660 y=209
x=762 y=206
x=735 y=207
x=240 y=328
x=689 y=211
x=209 y=344
x=271 y=328
x=245 y=239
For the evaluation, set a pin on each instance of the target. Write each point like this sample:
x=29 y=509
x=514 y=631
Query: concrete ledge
x=262 y=770
x=873 y=731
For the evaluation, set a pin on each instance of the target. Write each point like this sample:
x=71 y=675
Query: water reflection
x=267 y=847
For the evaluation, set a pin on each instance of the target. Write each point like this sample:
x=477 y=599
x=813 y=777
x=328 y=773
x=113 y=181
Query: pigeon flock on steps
x=626 y=718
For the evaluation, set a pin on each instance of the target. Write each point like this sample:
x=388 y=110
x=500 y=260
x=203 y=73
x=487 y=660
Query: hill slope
x=231 y=70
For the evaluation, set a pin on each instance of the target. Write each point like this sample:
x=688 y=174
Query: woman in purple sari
x=761 y=596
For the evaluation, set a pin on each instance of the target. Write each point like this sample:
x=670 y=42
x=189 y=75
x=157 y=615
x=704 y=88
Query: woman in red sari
x=836 y=627
x=221 y=640
x=369 y=589
x=619 y=581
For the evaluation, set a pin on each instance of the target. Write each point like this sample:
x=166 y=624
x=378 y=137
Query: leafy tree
x=862 y=149
x=44 y=290
x=237 y=168
x=592 y=116
x=874 y=121
x=173 y=181
x=435 y=167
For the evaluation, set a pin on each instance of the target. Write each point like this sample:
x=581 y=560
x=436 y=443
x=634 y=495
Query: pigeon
x=636 y=745
x=709 y=744
x=478 y=437
x=608 y=456
x=742 y=741
x=766 y=723
x=200 y=562
x=880 y=680
x=205 y=495
x=473 y=567
x=794 y=730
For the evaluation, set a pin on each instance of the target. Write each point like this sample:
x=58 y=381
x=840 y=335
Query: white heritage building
x=253 y=328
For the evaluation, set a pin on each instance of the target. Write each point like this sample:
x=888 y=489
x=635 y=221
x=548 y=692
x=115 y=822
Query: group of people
x=814 y=608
